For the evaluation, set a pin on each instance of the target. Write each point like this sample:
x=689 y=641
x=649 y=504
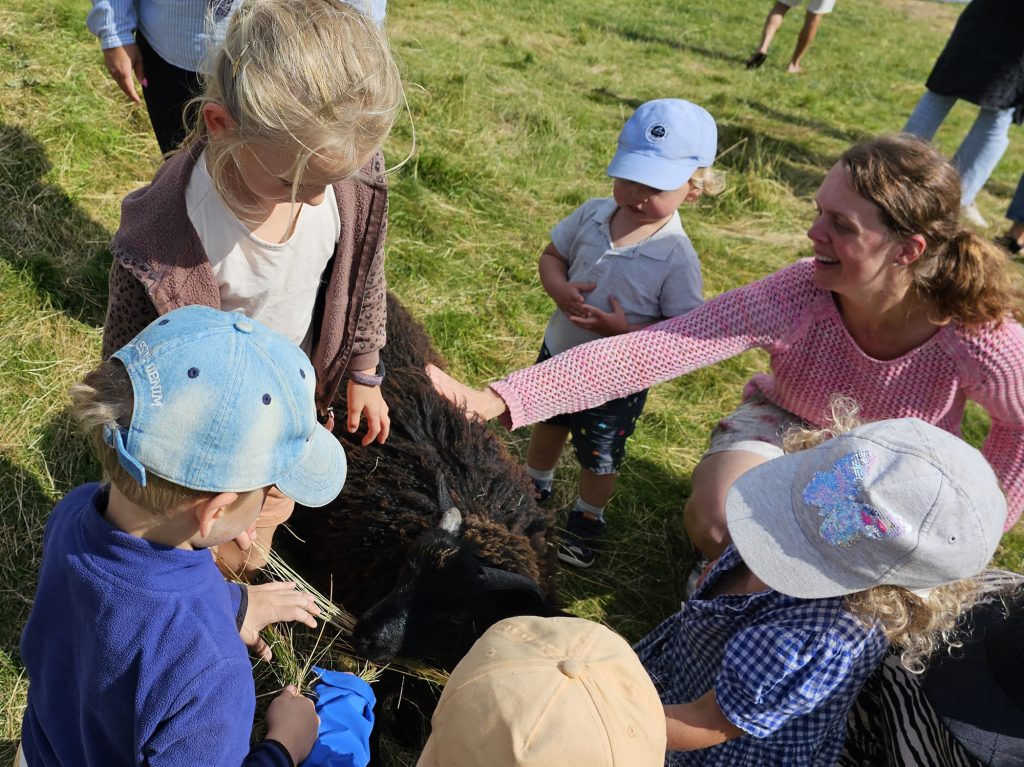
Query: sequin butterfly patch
x=836 y=493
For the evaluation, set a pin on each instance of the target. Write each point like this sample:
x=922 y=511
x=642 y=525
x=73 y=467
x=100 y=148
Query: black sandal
x=756 y=60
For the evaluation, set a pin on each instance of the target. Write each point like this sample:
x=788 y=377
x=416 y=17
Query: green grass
x=516 y=106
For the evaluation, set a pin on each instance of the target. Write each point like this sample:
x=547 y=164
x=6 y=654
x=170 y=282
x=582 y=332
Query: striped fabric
x=180 y=31
x=893 y=725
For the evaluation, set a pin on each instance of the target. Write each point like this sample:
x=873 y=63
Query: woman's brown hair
x=918 y=192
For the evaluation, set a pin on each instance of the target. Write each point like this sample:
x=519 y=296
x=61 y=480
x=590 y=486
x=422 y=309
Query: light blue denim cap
x=224 y=404
x=663 y=143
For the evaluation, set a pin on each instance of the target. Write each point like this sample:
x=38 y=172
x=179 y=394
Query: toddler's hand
x=611 y=323
x=274 y=603
x=292 y=722
x=569 y=297
x=368 y=401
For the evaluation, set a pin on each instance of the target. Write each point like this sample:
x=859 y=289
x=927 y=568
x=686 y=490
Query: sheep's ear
x=451 y=521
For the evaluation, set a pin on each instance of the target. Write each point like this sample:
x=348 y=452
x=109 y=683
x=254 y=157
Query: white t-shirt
x=275 y=283
x=652 y=280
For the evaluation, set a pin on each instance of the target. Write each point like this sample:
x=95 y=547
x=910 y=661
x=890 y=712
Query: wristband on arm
x=369 y=379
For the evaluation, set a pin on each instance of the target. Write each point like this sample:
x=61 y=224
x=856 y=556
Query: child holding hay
x=132 y=647
x=615 y=265
x=276 y=205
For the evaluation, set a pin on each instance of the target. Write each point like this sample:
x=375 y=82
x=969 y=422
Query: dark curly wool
x=381 y=538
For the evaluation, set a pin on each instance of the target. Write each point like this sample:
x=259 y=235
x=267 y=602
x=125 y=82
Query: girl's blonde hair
x=916 y=624
x=709 y=181
x=918 y=192
x=104 y=397
x=315 y=76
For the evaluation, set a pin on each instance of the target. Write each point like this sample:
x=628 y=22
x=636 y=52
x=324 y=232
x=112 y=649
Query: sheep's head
x=444 y=599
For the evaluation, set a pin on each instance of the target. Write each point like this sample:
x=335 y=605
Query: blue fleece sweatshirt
x=132 y=652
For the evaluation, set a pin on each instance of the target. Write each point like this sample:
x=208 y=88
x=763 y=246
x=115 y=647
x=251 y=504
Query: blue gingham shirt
x=180 y=31
x=785 y=670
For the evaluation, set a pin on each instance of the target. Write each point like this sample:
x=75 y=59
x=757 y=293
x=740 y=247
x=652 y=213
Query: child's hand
x=481 y=404
x=292 y=722
x=368 y=401
x=569 y=297
x=274 y=603
x=611 y=323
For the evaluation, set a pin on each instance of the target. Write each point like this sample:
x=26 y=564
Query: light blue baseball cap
x=224 y=404
x=663 y=143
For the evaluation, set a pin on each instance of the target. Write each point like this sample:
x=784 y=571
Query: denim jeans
x=981 y=148
x=1016 y=210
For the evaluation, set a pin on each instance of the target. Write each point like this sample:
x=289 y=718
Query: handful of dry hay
x=297 y=648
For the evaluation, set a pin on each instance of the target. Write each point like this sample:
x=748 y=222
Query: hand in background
x=368 y=401
x=275 y=602
x=122 y=62
x=611 y=323
x=292 y=722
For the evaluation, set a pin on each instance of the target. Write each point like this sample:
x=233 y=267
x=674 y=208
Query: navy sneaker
x=541 y=494
x=578 y=544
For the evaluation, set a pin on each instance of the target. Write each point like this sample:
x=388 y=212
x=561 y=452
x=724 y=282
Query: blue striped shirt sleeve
x=113 y=22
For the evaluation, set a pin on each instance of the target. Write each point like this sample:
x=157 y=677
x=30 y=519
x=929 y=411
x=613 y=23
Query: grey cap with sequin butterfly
x=897 y=502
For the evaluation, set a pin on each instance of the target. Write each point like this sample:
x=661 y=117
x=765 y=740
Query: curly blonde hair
x=313 y=76
x=916 y=623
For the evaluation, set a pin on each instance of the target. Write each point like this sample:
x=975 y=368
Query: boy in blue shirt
x=133 y=645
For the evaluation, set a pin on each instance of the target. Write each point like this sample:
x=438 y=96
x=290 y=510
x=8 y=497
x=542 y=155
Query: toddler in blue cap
x=135 y=646
x=615 y=265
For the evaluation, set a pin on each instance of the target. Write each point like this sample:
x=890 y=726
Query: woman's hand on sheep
x=368 y=401
x=483 y=404
x=275 y=602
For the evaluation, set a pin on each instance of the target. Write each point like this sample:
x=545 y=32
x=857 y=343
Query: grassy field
x=515 y=107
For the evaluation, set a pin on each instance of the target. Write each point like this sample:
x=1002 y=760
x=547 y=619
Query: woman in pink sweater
x=901 y=309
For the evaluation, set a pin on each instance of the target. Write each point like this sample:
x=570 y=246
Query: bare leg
x=596 y=489
x=1017 y=231
x=771 y=26
x=803 y=41
x=704 y=513
x=546 y=443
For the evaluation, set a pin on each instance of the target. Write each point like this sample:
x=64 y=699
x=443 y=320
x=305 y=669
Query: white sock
x=543 y=479
x=595 y=511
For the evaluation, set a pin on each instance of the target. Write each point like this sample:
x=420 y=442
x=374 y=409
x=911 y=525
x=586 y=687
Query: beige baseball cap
x=548 y=692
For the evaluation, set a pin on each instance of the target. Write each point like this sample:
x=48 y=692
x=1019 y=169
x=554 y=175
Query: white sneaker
x=972 y=215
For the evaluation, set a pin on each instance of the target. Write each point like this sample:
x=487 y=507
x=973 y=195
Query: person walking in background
x=983 y=63
x=815 y=10
x=1013 y=240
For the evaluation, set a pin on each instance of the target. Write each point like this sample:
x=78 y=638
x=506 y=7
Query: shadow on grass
x=24 y=507
x=8 y=751
x=818 y=126
x=639 y=575
x=45 y=233
x=641 y=36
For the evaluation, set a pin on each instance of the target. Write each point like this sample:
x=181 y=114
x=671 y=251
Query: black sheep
x=427 y=569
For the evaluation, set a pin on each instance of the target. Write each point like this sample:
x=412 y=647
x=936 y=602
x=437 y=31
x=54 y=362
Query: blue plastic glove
x=345 y=706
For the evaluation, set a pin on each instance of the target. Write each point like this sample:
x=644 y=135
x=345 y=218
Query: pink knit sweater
x=812 y=358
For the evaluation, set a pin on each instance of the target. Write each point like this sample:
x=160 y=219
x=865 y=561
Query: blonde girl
x=276 y=206
x=867 y=540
